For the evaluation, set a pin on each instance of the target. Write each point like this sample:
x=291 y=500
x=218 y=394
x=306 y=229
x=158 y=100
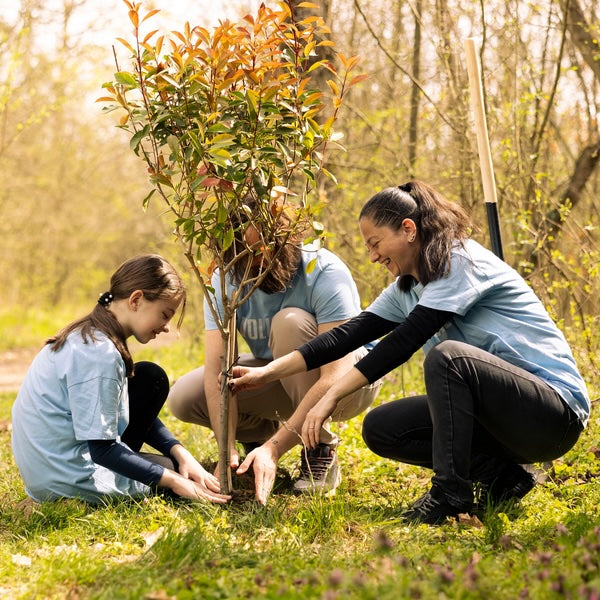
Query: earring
x=411 y=238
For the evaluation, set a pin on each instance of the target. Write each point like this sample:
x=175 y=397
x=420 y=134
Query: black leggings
x=480 y=414
x=148 y=391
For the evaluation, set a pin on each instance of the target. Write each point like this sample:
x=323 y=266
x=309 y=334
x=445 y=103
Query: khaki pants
x=262 y=410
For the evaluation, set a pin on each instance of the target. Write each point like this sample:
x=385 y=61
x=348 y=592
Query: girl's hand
x=188 y=488
x=314 y=420
x=190 y=468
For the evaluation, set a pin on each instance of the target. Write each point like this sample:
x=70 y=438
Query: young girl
x=502 y=387
x=84 y=409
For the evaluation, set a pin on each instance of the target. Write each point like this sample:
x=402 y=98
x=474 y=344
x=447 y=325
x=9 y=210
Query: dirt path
x=13 y=366
x=14 y=363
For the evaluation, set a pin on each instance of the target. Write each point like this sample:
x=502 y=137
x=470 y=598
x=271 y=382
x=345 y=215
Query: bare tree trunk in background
x=396 y=45
x=415 y=92
x=581 y=34
x=585 y=165
x=549 y=229
x=456 y=82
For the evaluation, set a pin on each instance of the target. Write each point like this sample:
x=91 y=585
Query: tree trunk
x=582 y=35
x=415 y=92
x=584 y=167
x=227 y=430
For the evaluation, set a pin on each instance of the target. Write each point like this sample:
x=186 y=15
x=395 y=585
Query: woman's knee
x=442 y=353
x=371 y=430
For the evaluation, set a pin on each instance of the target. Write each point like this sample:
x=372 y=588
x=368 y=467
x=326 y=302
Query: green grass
x=350 y=546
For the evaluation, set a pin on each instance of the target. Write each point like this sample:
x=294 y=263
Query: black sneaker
x=432 y=508
x=512 y=483
x=319 y=471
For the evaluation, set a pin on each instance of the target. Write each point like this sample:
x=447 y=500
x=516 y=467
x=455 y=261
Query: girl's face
x=397 y=250
x=149 y=318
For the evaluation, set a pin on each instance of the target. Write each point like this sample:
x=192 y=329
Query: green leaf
x=173 y=142
x=252 y=99
x=221 y=214
x=137 y=137
x=227 y=239
x=125 y=78
x=146 y=200
x=330 y=175
x=309 y=173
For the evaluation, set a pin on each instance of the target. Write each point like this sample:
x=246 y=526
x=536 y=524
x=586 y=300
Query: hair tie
x=105 y=299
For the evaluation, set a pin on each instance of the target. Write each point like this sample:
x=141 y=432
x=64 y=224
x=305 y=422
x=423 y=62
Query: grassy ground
x=349 y=546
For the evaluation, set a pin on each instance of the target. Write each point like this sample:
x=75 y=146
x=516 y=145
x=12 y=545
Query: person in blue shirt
x=502 y=386
x=306 y=291
x=85 y=409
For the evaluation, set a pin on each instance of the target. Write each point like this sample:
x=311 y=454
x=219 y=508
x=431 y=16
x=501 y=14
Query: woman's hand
x=315 y=418
x=247 y=378
x=264 y=463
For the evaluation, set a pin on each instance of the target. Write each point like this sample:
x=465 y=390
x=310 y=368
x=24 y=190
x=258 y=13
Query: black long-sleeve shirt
x=401 y=340
x=119 y=458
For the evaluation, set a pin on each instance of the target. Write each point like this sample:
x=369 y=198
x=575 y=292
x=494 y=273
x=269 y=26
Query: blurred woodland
x=72 y=190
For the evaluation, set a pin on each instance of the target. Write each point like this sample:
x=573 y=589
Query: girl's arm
x=160 y=438
x=122 y=460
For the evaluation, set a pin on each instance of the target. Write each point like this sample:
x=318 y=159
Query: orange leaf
x=150 y=35
x=159 y=43
x=357 y=79
x=150 y=14
x=134 y=18
x=333 y=86
x=126 y=44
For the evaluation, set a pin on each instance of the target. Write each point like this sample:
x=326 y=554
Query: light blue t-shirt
x=323 y=286
x=498 y=312
x=68 y=397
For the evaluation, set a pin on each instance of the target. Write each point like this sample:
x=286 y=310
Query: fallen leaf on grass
x=472 y=520
x=21 y=560
x=152 y=537
x=26 y=506
x=159 y=595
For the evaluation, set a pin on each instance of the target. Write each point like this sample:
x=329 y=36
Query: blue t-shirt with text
x=322 y=286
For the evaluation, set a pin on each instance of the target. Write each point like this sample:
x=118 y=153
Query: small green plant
x=224 y=116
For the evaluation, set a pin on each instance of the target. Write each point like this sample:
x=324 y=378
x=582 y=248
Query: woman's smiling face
x=397 y=250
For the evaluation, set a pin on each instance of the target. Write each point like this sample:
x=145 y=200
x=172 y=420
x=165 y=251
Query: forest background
x=72 y=189
x=71 y=206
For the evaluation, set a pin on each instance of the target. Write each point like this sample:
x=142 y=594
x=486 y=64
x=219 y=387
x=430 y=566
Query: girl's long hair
x=440 y=225
x=151 y=274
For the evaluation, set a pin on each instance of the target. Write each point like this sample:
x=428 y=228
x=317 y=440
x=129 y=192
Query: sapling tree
x=226 y=116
